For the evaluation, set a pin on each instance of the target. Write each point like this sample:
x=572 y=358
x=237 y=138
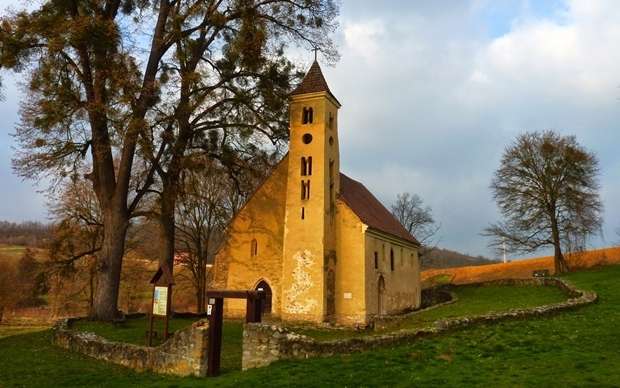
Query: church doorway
x=381 y=296
x=263 y=286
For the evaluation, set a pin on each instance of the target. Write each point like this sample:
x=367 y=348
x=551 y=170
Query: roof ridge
x=370 y=210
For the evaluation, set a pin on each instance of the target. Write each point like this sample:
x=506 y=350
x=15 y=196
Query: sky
x=433 y=91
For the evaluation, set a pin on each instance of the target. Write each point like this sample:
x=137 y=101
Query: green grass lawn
x=578 y=348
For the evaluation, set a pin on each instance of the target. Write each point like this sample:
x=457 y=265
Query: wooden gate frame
x=215 y=313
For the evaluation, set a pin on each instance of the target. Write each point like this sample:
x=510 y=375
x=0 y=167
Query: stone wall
x=184 y=354
x=263 y=344
x=431 y=298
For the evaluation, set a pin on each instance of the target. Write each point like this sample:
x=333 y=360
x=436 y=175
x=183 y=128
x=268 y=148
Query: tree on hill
x=547 y=190
x=418 y=219
x=110 y=83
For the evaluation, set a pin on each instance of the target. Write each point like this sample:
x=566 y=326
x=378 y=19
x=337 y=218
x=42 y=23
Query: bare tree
x=418 y=219
x=207 y=203
x=547 y=190
x=201 y=217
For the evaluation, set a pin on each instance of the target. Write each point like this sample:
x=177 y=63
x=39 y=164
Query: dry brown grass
x=518 y=269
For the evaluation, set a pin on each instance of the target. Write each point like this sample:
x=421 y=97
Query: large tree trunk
x=561 y=265
x=200 y=290
x=105 y=304
x=167 y=227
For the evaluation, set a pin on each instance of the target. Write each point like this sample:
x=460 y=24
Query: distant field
x=11 y=251
x=523 y=268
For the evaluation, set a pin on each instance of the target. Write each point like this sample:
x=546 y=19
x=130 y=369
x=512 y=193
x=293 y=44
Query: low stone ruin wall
x=431 y=298
x=183 y=354
x=263 y=344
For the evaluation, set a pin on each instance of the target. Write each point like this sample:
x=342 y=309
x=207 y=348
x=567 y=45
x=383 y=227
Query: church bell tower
x=309 y=262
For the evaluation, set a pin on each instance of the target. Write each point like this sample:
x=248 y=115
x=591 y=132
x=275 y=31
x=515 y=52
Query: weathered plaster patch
x=301 y=284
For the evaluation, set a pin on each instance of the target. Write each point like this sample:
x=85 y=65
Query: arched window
x=306 y=117
x=253 y=248
x=391 y=259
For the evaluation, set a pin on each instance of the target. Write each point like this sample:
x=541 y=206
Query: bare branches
x=418 y=219
x=547 y=190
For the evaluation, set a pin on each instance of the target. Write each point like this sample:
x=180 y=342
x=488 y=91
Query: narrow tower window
x=306 y=117
x=305 y=189
x=253 y=248
x=331 y=120
x=303 y=213
x=391 y=259
x=304 y=166
x=309 y=165
x=376 y=260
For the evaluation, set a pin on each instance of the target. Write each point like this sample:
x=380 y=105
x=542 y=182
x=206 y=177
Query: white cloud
x=363 y=38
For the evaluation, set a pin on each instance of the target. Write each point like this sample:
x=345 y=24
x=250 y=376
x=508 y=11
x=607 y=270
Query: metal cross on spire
x=315 y=49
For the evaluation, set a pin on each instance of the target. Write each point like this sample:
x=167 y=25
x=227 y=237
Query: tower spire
x=313 y=82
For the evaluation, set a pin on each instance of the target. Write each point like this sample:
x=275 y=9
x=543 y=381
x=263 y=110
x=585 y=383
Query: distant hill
x=444 y=258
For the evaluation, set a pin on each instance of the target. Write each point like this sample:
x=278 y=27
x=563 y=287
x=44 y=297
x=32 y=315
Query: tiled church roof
x=313 y=82
x=370 y=210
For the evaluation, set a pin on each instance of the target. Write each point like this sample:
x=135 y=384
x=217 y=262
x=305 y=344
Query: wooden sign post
x=162 y=299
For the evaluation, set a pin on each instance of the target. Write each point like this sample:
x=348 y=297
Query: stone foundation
x=184 y=354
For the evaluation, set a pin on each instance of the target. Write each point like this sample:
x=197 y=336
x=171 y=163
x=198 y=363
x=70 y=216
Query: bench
x=119 y=320
x=540 y=273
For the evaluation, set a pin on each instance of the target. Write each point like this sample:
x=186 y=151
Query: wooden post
x=215 y=336
x=253 y=311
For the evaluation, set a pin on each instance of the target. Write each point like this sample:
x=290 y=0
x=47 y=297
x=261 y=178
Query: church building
x=320 y=245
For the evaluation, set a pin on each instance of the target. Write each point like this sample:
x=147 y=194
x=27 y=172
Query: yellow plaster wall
x=350 y=269
x=262 y=219
x=402 y=285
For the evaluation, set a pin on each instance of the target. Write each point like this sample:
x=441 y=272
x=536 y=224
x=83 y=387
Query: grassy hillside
x=572 y=349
